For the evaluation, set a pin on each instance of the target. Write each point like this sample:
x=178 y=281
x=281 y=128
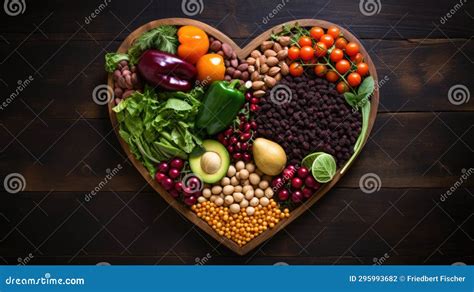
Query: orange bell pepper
x=194 y=43
x=210 y=67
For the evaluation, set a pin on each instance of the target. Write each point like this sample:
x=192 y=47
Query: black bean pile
x=317 y=118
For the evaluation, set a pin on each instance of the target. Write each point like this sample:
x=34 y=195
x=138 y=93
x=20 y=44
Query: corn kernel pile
x=240 y=227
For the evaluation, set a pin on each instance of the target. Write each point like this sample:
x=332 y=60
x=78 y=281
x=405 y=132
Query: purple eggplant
x=166 y=71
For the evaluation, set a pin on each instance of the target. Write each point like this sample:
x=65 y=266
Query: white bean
x=234 y=208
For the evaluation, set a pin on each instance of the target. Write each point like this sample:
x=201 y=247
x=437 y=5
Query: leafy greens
x=162 y=38
x=360 y=100
x=112 y=60
x=159 y=126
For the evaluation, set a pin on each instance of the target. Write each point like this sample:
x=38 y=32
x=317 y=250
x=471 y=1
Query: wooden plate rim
x=242 y=53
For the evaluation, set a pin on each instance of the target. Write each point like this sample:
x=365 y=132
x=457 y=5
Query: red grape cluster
x=295 y=184
x=172 y=177
x=253 y=101
x=238 y=139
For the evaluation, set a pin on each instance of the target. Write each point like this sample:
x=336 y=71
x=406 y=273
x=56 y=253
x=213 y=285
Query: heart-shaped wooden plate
x=242 y=53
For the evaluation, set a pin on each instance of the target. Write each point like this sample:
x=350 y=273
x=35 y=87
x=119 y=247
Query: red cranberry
x=246 y=157
x=297 y=197
x=253 y=125
x=237 y=156
x=230 y=148
x=178 y=186
x=244 y=146
x=167 y=183
x=297 y=183
x=288 y=173
x=163 y=167
x=229 y=132
x=277 y=182
x=291 y=167
x=303 y=172
x=310 y=182
x=190 y=200
x=254 y=100
x=160 y=177
x=307 y=193
x=248 y=96
x=232 y=140
x=254 y=107
x=283 y=195
x=173 y=173
x=245 y=136
x=225 y=141
x=174 y=193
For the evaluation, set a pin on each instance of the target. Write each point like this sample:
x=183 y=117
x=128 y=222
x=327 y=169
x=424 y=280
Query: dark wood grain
x=242 y=19
x=384 y=221
x=405 y=89
x=79 y=159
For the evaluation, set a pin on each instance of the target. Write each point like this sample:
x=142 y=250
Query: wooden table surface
x=61 y=142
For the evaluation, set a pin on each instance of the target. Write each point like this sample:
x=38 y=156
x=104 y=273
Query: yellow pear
x=269 y=157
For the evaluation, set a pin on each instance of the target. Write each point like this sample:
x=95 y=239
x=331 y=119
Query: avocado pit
x=211 y=162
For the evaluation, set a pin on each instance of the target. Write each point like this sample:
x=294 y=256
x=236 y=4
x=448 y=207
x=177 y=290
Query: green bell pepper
x=221 y=103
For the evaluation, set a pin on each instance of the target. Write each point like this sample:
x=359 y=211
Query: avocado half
x=212 y=165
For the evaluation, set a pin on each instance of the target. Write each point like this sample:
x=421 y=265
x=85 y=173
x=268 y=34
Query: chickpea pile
x=240 y=227
x=243 y=188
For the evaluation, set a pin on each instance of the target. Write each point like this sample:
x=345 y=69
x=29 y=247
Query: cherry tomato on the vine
x=327 y=40
x=336 y=55
x=296 y=69
x=342 y=87
x=334 y=31
x=320 y=70
x=332 y=76
x=343 y=66
x=305 y=41
x=357 y=58
x=293 y=53
x=354 y=79
x=320 y=49
x=306 y=53
x=362 y=69
x=352 y=49
x=316 y=33
x=341 y=43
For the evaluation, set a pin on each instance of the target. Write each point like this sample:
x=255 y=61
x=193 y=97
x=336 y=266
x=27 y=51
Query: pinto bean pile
x=314 y=117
